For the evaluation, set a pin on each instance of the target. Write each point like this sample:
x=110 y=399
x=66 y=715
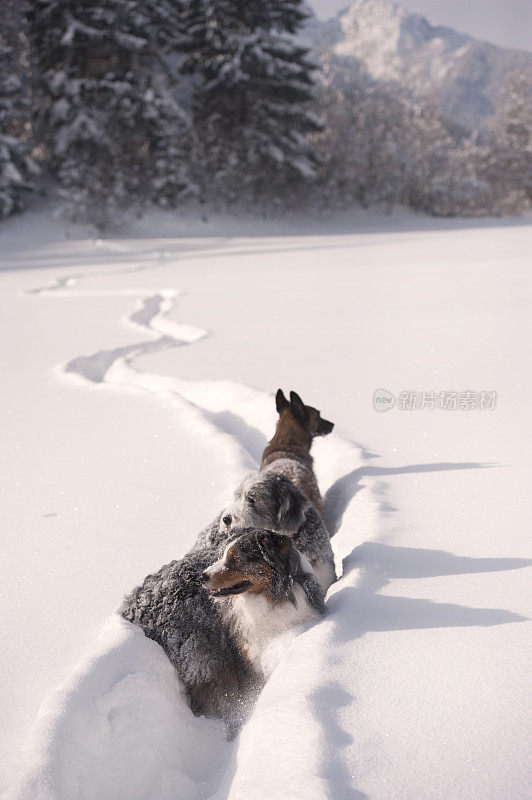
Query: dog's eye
x=251 y=502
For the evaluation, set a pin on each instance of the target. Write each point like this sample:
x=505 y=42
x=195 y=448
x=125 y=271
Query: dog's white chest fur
x=256 y=622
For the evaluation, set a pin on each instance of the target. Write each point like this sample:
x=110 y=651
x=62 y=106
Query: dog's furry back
x=173 y=609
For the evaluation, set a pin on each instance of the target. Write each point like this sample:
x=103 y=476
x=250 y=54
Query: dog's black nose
x=205 y=578
x=227 y=519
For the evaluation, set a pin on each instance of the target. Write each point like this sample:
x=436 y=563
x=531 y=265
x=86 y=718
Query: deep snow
x=138 y=381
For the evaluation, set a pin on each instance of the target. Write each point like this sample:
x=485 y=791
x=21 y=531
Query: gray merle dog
x=271 y=500
x=260 y=567
x=215 y=611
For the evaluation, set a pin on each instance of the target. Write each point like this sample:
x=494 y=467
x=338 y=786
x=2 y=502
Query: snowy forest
x=109 y=107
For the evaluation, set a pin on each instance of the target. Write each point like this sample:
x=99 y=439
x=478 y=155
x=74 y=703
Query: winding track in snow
x=209 y=406
x=204 y=404
x=237 y=419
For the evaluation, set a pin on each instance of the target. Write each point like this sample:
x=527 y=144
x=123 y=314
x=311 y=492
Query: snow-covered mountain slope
x=462 y=76
x=138 y=380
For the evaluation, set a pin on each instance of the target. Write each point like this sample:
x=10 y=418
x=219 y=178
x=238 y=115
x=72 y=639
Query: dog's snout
x=324 y=427
x=227 y=520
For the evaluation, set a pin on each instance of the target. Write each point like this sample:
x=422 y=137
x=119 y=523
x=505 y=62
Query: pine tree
x=113 y=131
x=507 y=162
x=372 y=147
x=379 y=147
x=17 y=170
x=253 y=82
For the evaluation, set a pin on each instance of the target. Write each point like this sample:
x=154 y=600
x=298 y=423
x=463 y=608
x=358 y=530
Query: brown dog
x=288 y=453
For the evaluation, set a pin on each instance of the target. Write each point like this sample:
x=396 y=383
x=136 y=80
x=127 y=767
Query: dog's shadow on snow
x=359 y=610
x=372 y=612
x=381 y=563
x=250 y=438
x=327 y=702
x=342 y=491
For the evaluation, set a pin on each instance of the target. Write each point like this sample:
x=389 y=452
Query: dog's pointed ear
x=280 y=401
x=298 y=408
x=275 y=547
x=284 y=544
x=265 y=546
x=291 y=505
x=294 y=560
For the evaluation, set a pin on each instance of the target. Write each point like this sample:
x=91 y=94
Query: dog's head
x=307 y=417
x=255 y=561
x=266 y=500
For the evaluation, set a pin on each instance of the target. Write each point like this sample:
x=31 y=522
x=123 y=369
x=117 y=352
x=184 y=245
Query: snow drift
x=413 y=684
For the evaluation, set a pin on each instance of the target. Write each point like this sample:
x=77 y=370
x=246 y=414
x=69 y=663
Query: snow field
x=415 y=679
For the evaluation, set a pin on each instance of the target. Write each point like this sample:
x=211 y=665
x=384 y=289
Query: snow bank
x=413 y=685
x=121 y=728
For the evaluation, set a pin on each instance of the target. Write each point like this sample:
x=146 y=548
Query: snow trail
x=120 y=727
x=123 y=706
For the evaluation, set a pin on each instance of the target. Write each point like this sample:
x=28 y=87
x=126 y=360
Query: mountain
x=462 y=76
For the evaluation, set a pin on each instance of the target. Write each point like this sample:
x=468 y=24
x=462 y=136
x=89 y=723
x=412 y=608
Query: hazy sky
x=505 y=22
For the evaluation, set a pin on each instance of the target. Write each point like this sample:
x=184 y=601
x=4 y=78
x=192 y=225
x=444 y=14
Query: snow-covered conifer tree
x=507 y=161
x=379 y=147
x=107 y=114
x=253 y=81
x=369 y=146
x=17 y=170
